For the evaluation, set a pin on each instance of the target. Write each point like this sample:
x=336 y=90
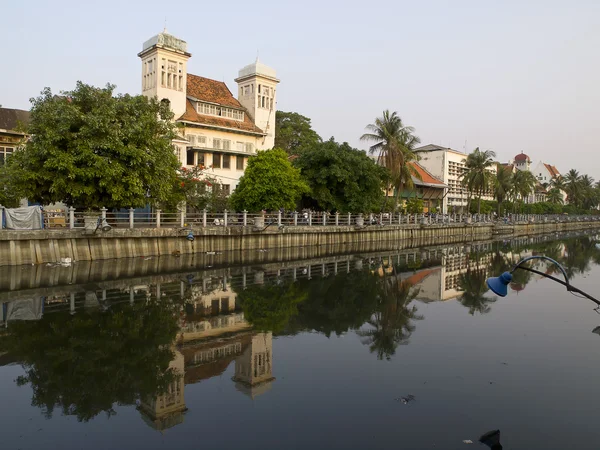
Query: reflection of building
x=253 y=369
x=166 y=410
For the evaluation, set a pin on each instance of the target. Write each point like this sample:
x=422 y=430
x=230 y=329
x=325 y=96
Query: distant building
x=448 y=165
x=12 y=133
x=426 y=187
x=218 y=131
x=522 y=162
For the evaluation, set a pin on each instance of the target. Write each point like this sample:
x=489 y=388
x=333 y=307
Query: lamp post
x=499 y=285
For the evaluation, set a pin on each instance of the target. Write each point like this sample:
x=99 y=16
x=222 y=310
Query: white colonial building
x=218 y=131
x=448 y=165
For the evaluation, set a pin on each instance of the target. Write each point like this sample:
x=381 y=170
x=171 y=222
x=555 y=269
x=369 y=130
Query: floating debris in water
x=406 y=400
x=467 y=441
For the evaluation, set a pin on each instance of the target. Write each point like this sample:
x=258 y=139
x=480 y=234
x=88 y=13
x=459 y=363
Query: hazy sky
x=509 y=76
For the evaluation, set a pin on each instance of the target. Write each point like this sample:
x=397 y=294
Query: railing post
x=295 y=218
x=71 y=217
x=337 y=218
x=225 y=217
x=324 y=218
x=182 y=217
x=391 y=218
x=131 y=210
x=310 y=218
x=158 y=218
x=103 y=213
x=279 y=218
x=245 y=217
x=204 y=218
x=349 y=219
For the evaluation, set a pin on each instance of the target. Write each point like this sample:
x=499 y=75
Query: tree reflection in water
x=83 y=364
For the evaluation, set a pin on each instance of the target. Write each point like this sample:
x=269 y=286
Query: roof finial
x=165 y=28
x=257 y=51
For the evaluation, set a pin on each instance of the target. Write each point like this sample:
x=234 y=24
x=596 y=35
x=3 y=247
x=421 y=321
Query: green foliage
x=341 y=178
x=414 y=205
x=270 y=307
x=83 y=364
x=503 y=185
x=294 y=134
x=486 y=207
x=198 y=190
x=269 y=182
x=10 y=193
x=90 y=149
x=394 y=143
x=477 y=177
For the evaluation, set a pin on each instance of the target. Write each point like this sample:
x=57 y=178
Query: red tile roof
x=522 y=157
x=553 y=170
x=427 y=179
x=509 y=167
x=213 y=91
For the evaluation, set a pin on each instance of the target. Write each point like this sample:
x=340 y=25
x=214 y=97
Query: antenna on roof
x=165 y=28
x=257 y=52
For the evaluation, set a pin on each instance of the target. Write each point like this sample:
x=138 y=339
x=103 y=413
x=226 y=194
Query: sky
x=503 y=75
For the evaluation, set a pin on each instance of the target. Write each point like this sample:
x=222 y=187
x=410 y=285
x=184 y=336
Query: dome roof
x=522 y=157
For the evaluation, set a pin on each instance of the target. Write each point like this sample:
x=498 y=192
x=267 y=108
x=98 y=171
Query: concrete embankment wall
x=47 y=246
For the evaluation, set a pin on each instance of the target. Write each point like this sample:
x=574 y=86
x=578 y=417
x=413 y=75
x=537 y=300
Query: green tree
x=341 y=178
x=477 y=177
x=84 y=364
x=10 y=193
x=502 y=185
x=394 y=144
x=573 y=187
x=198 y=190
x=414 y=205
x=89 y=148
x=270 y=182
x=524 y=183
x=554 y=196
x=294 y=134
x=587 y=192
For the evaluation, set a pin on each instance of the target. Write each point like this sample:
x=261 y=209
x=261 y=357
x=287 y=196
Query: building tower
x=164 y=70
x=522 y=162
x=257 y=89
x=253 y=368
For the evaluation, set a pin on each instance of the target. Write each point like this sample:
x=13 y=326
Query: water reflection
x=90 y=346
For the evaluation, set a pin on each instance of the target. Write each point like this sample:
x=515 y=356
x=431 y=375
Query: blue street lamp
x=499 y=285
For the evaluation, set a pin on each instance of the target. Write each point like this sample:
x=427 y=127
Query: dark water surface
x=400 y=350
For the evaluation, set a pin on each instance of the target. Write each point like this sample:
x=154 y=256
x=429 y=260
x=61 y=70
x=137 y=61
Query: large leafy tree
x=90 y=148
x=294 y=134
x=341 y=178
x=10 y=194
x=477 y=177
x=270 y=182
x=502 y=185
x=394 y=144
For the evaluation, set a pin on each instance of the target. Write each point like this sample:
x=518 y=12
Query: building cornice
x=216 y=127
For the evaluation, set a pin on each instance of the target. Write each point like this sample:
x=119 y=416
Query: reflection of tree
x=336 y=304
x=473 y=285
x=391 y=324
x=270 y=307
x=85 y=363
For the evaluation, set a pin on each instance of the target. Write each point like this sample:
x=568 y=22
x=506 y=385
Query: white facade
x=218 y=131
x=448 y=165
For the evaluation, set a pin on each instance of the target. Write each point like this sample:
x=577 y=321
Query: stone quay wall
x=51 y=246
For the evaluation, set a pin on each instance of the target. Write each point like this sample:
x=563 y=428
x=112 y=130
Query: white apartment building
x=448 y=165
x=218 y=131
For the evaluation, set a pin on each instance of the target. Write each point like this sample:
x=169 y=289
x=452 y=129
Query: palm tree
x=477 y=176
x=473 y=285
x=393 y=142
x=523 y=183
x=554 y=196
x=502 y=185
x=572 y=187
x=588 y=194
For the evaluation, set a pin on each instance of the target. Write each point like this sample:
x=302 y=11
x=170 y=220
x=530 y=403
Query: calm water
x=399 y=349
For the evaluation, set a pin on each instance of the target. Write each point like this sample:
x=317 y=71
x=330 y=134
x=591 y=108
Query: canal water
x=390 y=350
